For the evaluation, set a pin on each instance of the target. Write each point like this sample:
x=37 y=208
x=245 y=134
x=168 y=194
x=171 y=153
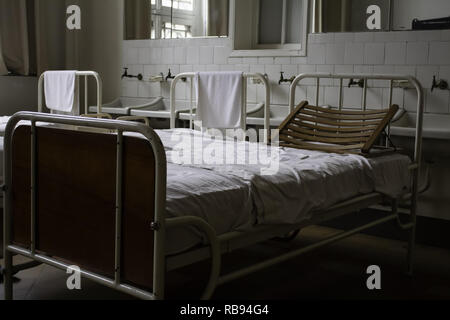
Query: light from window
x=176 y=31
x=187 y=5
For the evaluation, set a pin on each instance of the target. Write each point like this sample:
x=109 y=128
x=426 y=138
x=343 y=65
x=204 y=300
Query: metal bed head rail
x=159 y=207
x=393 y=79
x=256 y=76
x=86 y=75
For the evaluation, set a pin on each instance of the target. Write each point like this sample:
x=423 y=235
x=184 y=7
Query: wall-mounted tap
x=439 y=84
x=360 y=83
x=125 y=74
x=282 y=79
x=170 y=76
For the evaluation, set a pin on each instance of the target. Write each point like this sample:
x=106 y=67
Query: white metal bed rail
x=258 y=76
x=393 y=79
x=159 y=208
x=86 y=75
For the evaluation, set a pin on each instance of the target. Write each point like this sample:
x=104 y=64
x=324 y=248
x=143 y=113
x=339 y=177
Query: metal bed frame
x=79 y=74
x=218 y=244
x=260 y=78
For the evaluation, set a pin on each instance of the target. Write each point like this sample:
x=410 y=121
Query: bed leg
x=8 y=276
x=410 y=256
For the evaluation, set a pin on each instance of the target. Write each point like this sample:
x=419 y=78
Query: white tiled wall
x=423 y=54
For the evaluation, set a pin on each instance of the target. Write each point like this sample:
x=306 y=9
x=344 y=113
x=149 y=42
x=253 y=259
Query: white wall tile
x=132 y=56
x=144 y=56
x=374 y=98
x=444 y=73
x=417 y=53
x=335 y=53
x=397 y=97
x=437 y=101
x=193 y=55
x=251 y=60
x=282 y=60
x=364 y=36
x=274 y=72
x=429 y=35
x=410 y=100
x=316 y=54
x=206 y=55
x=439 y=53
x=395 y=53
x=167 y=55
x=354 y=53
x=289 y=70
x=374 y=53
x=156 y=54
x=425 y=75
x=221 y=55
x=343 y=37
x=325 y=69
x=331 y=96
x=266 y=60
x=352 y=97
x=179 y=55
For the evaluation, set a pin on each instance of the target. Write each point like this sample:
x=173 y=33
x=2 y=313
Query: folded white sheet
x=59 y=87
x=219 y=97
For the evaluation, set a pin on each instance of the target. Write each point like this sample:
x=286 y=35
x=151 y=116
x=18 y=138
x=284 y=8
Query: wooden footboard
x=76 y=200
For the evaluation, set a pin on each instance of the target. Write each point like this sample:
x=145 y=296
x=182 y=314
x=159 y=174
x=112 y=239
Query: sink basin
x=123 y=106
x=435 y=126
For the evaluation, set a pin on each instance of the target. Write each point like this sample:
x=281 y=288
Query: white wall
x=418 y=53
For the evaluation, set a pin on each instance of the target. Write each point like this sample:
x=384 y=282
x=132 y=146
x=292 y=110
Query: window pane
x=179 y=4
x=294 y=21
x=270 y=21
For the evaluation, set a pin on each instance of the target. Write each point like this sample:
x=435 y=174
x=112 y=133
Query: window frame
x=258 y=50
x=162 y=14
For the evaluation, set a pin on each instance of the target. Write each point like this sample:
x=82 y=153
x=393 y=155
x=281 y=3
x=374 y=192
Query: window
x=270 y=27
x=172 y=19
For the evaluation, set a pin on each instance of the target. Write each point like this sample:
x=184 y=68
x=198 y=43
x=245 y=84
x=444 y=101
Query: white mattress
x=236 y=197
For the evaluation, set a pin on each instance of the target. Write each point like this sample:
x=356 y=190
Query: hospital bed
x=148 y=215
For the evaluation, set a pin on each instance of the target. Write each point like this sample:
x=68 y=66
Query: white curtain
x=14 y=36
x=137 y=19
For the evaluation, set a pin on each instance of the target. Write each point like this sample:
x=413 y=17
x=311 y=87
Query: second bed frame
x=133 y=241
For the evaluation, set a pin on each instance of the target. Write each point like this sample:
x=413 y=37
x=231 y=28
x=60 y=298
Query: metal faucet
x=282 y=79
x=126 y=75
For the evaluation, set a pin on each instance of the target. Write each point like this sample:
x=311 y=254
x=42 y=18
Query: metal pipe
x=33 y=187
x=118 y=230
x=295 y=253
x=214 y=248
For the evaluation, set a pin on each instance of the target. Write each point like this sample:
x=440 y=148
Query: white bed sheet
x=236 y=197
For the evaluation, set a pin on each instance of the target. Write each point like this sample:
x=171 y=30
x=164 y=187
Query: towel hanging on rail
x=59 y=87
x=219 y=97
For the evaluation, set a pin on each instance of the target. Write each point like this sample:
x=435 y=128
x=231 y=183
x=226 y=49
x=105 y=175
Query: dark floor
x=334 y=272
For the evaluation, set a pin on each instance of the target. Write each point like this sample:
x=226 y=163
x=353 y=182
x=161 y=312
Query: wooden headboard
x=76 y=193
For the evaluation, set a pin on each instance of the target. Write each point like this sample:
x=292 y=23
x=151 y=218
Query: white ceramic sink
x=434 y=126
x=123 y=105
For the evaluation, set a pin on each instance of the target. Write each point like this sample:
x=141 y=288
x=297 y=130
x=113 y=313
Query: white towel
x=59 y=87
x=219 y=97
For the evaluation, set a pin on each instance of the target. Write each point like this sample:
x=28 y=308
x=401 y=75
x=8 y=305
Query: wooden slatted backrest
x=331 y=130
